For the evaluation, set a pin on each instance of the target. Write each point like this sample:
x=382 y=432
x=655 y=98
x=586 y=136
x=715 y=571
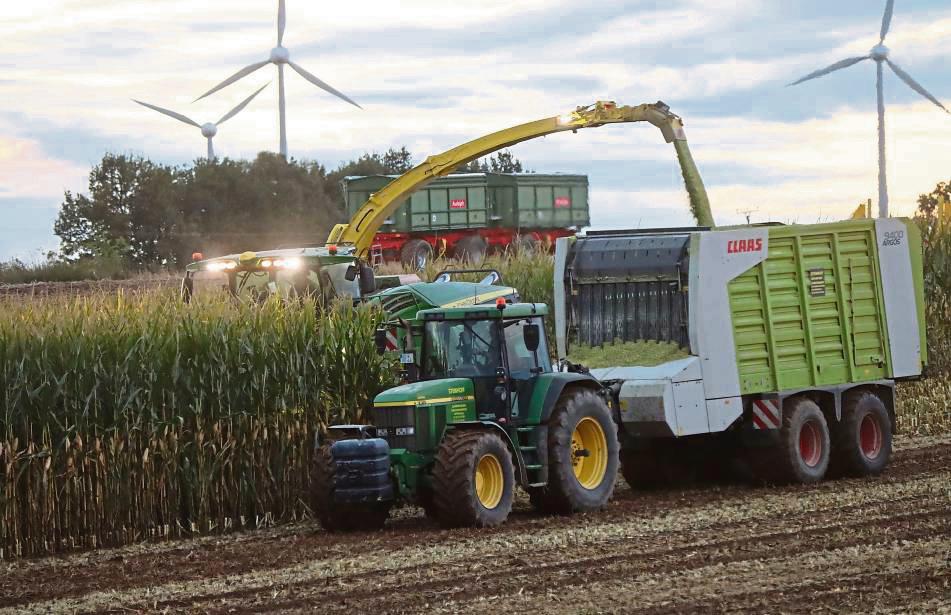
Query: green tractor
x=484 y=411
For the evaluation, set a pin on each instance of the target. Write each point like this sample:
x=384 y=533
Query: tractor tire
x=416 y=254
x=473 y=480
x=582 y=455
x=334 y=516
x=803 y=451
x=470 y=249
x=862 y=440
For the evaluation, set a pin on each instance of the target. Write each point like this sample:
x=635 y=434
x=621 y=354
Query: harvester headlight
x=231 y=265
x=566 y=119
x=266 y=263
x=292 y=263
x=279 y=263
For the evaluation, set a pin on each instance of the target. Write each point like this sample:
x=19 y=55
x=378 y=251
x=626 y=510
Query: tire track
x=695 y=521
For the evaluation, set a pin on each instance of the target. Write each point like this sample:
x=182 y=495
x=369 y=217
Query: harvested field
x=876 y=545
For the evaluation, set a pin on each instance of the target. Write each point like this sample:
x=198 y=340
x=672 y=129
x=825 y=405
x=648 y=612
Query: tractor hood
x=427 y=392
x=405 y=301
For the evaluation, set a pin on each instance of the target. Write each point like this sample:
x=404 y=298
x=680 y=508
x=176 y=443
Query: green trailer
x=794 y=337
x=465 y=214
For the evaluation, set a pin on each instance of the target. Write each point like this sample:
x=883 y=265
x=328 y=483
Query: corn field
x=132 y=417
x=125 y=419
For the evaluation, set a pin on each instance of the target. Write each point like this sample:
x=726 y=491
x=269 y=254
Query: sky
x=431 y=74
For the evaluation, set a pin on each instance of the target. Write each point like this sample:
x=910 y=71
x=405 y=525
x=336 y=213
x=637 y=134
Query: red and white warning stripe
x=392 y=343
x=766 y=414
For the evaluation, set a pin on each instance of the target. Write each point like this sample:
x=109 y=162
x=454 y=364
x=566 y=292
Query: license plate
x=407 y=358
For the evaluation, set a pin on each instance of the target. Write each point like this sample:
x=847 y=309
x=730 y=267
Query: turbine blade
x=281 y=21
x=241 y=106
x=177 y=116
x=915 y=85
x=830 y=69
x=244 y=72
x=322 y=85
x=886 y=19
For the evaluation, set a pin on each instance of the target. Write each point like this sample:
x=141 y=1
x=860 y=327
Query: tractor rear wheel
x=582 y=455
x=416 y=254
x=863 y=438
x=473 y=480
x=334 y=516
x=802 y=453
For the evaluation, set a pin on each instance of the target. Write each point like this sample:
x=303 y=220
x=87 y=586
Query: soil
x=862 y=545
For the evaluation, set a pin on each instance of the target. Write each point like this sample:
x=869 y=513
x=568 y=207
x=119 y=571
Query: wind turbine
x=879 y=54
x=208 y=130
x=280 y=56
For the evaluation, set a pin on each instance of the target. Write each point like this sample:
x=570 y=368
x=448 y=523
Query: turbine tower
x=280 y=56
x=208 y=130
x=880 y=54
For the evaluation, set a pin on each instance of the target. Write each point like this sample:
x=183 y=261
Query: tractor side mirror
x=367 y=279
x=351 y=274
x=380 y=339
x=532 y=337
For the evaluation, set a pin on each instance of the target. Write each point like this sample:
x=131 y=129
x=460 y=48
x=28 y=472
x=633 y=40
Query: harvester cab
x=486 y=414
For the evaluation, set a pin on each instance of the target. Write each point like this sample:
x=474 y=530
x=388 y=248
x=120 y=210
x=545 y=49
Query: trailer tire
x=640 y=469
x=526 y=244
x=802 y=453
x=416 y=254
x=334 y=516
x=582 y=455
x=473 y=480
x=471 y=249
x=862 y=444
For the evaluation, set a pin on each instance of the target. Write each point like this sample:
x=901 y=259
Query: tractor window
x=461 y=349
x=521 y=361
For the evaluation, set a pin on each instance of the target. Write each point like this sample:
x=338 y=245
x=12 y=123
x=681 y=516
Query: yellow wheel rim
x=589 y=453
x=489 y=481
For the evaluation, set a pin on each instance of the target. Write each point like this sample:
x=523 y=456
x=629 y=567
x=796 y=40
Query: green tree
x=128 y=214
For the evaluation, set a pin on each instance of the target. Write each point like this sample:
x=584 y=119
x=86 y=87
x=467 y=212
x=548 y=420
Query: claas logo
x=737 y=246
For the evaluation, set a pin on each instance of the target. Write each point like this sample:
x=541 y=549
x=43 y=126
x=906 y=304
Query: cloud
x=29 y=172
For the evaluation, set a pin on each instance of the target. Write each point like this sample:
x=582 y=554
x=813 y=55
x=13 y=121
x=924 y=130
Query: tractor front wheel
x=473 y=480
x=583 y=455
x=335 y=516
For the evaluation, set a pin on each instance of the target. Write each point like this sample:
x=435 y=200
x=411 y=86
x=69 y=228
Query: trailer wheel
x=416 y=254
x=640 y=469
x=473 y=480
x=802 y=454
x=526 y=244
x=333 y=516
x=863 y=438
x=582 y=455
x=471 y=248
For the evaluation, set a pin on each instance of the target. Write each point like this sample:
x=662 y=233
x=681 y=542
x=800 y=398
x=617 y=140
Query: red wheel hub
x=810 y=444
x=870 y=437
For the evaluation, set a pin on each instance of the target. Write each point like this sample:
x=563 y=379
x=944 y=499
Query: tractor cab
x=502 y=350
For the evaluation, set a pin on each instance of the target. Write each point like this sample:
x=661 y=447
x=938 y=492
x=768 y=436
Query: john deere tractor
x=484 y=413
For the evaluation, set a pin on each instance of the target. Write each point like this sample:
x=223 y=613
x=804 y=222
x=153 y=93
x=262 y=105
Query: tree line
x=144 y=214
